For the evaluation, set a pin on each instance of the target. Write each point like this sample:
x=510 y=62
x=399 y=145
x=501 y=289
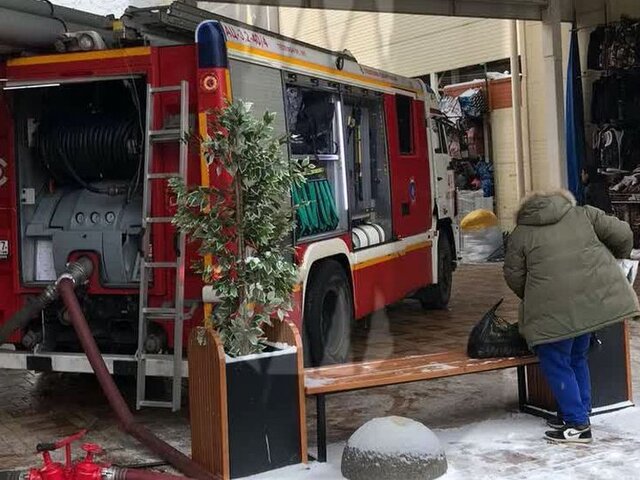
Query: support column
x=516 y=97
x=554 y=95
x=526 y=126
x=434 y=80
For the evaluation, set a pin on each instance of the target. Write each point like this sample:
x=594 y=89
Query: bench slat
x=355 y=376
x=358 y=368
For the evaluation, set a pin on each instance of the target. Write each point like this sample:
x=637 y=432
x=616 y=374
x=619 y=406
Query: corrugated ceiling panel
x=406 y=44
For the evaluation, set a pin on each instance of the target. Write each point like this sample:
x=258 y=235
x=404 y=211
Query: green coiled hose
x=316 y=208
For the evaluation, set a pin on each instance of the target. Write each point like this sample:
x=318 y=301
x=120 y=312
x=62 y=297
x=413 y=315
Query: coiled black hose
x=90 y=149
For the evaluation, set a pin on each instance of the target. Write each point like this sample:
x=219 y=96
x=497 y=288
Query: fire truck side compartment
x=79 y=148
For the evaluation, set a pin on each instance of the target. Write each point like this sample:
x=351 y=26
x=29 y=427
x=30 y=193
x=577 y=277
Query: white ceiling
x=521 y=9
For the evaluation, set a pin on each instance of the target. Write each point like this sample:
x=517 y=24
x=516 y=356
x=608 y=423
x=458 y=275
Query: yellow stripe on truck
x=238 y=47
x=81 y=56
x=392 y=256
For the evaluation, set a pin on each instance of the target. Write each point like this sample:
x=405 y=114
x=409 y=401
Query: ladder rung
x=161 y=264
x=159 y=219
x=167 y=135
x=159 y=311
x=172 y=88
x=155 y=404
x=161 y=318
x=156 y=176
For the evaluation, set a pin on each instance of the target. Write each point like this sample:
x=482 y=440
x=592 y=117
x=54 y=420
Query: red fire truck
x=89 y=138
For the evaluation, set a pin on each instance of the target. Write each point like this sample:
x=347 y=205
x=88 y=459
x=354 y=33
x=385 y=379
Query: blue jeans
x=564 y=365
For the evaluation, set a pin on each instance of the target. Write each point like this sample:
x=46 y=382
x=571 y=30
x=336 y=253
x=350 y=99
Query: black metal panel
x=264 y=431
x=121 y=367
x=39 y=364
x=608 y=364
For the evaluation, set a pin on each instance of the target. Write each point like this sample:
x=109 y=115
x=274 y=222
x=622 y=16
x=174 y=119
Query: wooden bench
x=323 y=381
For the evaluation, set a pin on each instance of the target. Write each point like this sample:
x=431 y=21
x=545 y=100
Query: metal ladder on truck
x=174 y=313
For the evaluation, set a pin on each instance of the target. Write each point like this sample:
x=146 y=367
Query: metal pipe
x=38 y=24
x=516 y=98
x=46 y=9
x=127 y=422
x=28 y=30
x=20 y=30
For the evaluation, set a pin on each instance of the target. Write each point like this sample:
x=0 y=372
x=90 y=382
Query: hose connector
x=65 y=276
x=110 y=473
x=80 y=270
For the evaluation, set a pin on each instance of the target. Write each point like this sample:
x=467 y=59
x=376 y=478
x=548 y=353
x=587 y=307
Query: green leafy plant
x=242 y=224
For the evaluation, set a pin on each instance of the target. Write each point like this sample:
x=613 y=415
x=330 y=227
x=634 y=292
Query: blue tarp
x=574 y=120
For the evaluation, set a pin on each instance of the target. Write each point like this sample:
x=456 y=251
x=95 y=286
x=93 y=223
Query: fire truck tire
x=328 y=315
x=437 y=296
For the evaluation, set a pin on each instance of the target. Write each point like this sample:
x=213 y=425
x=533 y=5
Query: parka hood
x=545 y=208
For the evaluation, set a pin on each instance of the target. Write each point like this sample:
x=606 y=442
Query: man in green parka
x=561 y=262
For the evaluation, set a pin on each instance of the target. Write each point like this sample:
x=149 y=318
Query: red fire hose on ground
x=65 y=287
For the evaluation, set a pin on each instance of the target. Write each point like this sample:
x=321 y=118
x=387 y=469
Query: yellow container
x=478 y=220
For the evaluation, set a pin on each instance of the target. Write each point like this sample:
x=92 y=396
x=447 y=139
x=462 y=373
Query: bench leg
x=522 y=388
x=321 y=427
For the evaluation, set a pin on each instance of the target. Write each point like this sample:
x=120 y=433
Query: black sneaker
x=556 y=423
x=570 y=434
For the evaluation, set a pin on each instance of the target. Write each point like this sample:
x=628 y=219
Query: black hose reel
x=90 y=149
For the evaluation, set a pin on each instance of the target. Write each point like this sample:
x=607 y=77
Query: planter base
x=247 y=414
x=262 y=402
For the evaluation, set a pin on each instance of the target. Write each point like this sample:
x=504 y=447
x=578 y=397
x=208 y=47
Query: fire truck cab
x=88 y=140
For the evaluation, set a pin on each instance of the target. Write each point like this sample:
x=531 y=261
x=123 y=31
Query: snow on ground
x=395 y=435
x=511 y=448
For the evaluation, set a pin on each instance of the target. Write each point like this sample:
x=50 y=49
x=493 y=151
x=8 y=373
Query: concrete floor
x=43 y=407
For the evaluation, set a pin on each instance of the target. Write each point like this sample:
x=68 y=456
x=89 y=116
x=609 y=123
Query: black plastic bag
x=495 y=337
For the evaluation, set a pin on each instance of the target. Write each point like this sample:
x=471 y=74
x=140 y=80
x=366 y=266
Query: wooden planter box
x=247 y=414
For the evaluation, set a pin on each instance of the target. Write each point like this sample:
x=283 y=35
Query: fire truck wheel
x=328 y=314
x=436 y=297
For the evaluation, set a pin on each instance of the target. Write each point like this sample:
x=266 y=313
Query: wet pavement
x=43 y=407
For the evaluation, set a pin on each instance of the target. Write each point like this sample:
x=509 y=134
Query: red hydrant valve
x=91 y=449
x=85 y=469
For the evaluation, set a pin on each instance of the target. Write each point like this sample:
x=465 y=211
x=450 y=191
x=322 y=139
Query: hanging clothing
x=475 y=142
x=596 y=45
x=596 y=194
x=484 y=170
x=607 y=143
